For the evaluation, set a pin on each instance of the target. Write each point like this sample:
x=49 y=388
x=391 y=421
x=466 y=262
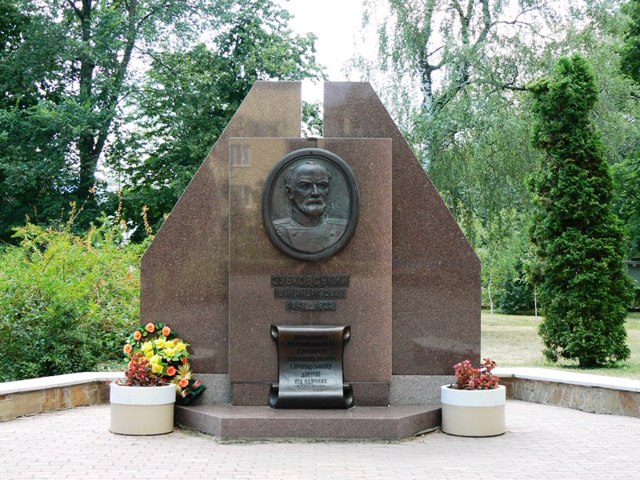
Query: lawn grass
x=513 y=341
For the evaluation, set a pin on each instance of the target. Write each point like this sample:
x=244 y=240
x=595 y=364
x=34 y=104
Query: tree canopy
x=454 y=74
x=116 y=102
x=187 y=98
x=71 y=73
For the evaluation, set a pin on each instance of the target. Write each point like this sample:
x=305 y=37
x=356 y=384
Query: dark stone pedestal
x=383 y=423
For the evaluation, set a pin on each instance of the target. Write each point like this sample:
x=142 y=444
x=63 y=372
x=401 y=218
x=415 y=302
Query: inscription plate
x=310 y=367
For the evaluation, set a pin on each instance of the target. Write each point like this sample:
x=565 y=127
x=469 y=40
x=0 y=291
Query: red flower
x=183 y=383
x=127 y=348
x=137 y=335
x=150 y=327
x=171 y=371
x=166 y=331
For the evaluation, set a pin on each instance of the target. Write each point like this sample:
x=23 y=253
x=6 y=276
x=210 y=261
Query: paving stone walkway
x=542 y=442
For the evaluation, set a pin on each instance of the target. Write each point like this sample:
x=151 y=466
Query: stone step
x=383 y=423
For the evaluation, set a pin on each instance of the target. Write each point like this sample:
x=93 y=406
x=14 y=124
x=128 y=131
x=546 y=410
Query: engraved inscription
x=310 y=359
x=312 y=305
x=311 y=292
x=310 y=367
x=310 y=280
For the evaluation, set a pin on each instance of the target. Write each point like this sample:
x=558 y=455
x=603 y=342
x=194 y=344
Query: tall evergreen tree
x=579 y=241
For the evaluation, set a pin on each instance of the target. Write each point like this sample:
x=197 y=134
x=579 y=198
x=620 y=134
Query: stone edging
x=589 y=393
x=38 y=395
x=580 y=391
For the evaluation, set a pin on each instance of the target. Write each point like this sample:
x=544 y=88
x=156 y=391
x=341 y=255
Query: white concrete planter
x=473 y=413
x=142 y=410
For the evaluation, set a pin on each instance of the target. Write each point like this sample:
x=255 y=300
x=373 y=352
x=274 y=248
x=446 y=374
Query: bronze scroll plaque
x=310 y=204
x=310 y=367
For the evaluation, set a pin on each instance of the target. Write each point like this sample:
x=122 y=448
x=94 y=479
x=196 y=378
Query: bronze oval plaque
x=310 y=204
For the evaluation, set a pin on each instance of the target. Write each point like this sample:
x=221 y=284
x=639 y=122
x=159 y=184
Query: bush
x=67 y=302
x=579 y=242
x=516 y=296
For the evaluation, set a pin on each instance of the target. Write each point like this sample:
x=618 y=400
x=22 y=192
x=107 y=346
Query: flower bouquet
x=469 y=377
x=157 y=356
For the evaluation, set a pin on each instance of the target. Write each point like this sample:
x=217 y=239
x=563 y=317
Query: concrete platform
x=383 y=423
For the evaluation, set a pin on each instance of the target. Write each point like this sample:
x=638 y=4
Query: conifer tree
x=578 y=240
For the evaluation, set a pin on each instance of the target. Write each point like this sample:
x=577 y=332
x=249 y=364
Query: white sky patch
x=337 y=24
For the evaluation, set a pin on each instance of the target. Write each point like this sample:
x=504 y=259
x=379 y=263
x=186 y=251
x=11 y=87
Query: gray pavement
x=541 y=442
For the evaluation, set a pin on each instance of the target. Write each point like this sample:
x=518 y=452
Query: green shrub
x=516 y=295
x=579 y=242
x=67 y=302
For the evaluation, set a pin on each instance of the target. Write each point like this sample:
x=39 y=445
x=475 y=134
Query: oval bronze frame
x=337 y=164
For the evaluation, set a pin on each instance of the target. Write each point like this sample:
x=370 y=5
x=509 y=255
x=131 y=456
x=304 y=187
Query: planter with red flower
x=474 y=405
x=158 y=372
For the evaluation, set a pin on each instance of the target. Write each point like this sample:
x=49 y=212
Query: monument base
x=374 y=423
x=366 y=394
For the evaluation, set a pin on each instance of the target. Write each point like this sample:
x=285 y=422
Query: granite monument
x=277 y=233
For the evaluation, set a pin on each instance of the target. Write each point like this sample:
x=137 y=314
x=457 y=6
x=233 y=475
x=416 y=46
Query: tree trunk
x=91 y=143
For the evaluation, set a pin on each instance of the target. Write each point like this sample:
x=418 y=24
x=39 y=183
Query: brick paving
x=541 y=442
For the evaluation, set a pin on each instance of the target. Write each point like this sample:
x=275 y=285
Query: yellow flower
x=155 y=359
x=148 y=354
x=168 y=352
x=180 y=346
x=160 y=342
x=156 y=368
x=146 y=347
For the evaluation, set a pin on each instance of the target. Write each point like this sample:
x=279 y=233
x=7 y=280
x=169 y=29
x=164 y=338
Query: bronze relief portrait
x=310 y=204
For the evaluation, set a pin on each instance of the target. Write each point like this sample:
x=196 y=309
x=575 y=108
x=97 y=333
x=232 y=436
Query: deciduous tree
x=187 y=99
x=71 y=71
x=66 y=68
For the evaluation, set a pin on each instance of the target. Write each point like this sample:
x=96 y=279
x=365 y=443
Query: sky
x=337 y=25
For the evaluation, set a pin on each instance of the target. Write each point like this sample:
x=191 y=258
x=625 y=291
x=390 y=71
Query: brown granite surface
x=365 y=394
x=385 y=423
x=185 y=270
x=435 y=283
x=436 y=274
x=367 y=259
